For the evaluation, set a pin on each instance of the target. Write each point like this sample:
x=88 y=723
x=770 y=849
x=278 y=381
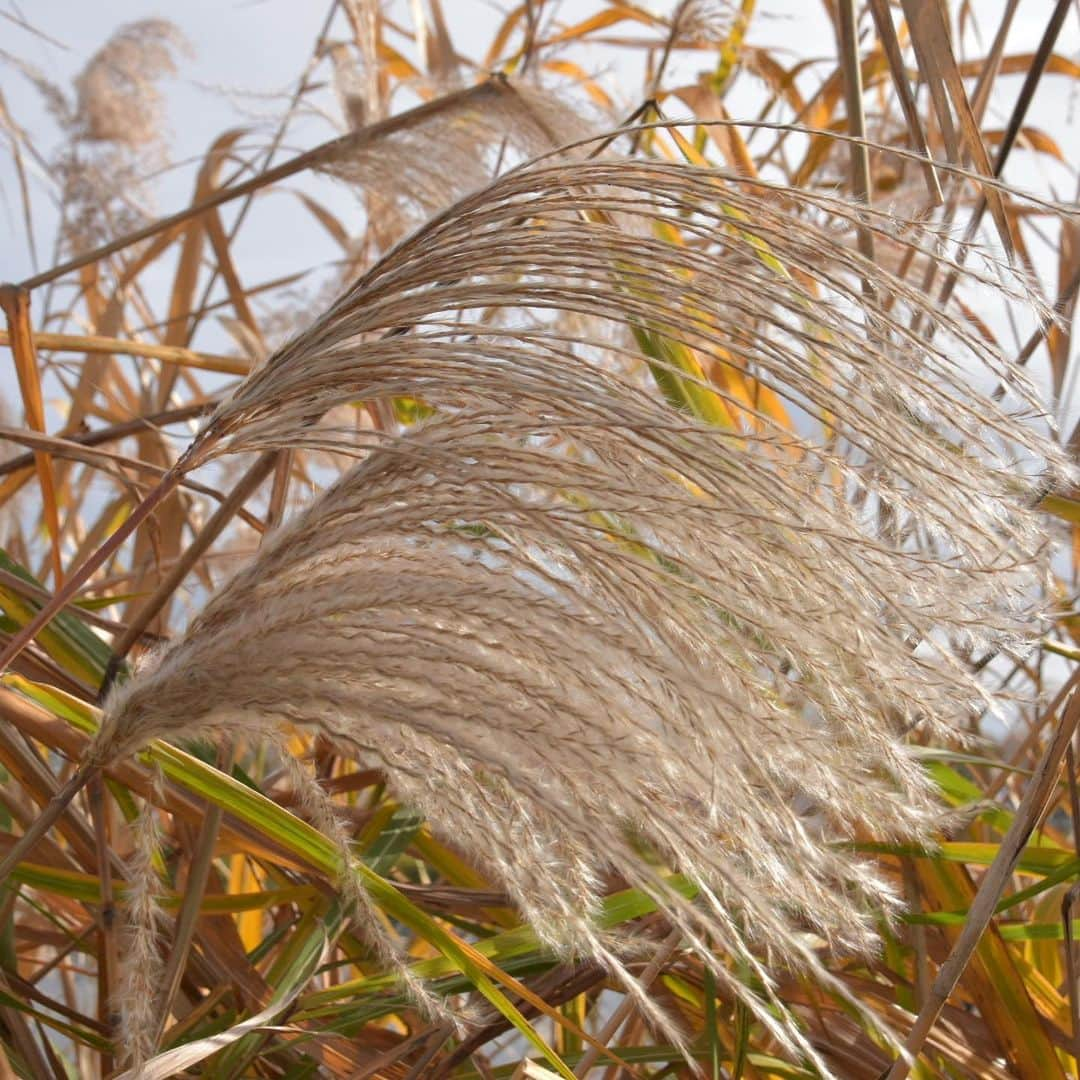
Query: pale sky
x=256 y=48
x=247 y=55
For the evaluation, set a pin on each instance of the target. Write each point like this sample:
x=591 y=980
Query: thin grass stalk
x=1067 y=902
x=116 y=432
x=108 y=951
x=267 y=157
x=1030 y=742
x=856 y=119
x=46 y=819
x=891 y=46
x=988 y=76
x=16 y=305
x=106 y=346
x=33 y=592
x=279 y=491
x=1012 y=130
x=921 y=958
x=438 y=1033
x=606 y=1035
x=194 y=890
x=420 y=1067
x=1032 y=77
x=980 y=99
x=587 y=978
x=28 y=1047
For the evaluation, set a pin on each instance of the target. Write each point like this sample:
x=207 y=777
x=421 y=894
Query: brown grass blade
x=184 y=932
x=856 y=119
x=1032 y=77
x=114 y=432
x=989 y=70
x=992 y=980
x=619 y=1017
x=42 y=824
x=1016 y=122
x=78 y=578
x=168 y=585
x=106 y=346
x=898 y=69
x=16 y=305
x=931 y=36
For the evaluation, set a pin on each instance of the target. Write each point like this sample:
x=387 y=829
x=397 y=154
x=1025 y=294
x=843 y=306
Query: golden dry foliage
x=681 y=520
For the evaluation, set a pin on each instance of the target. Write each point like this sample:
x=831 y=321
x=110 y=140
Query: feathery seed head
x=593 y=629
x=118 y=97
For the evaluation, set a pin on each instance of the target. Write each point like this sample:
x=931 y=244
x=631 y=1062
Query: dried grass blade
x=1059 y=335
x=993 y=980
x=108 y=346
x=219 y=241
x=226 y=511
x=990 y=68
x=17 y=137
x=929 y=27
x=190 y=908
x=856 y=120
x=108 y=968
x=39 y=783
x=80 y=577
x=43 y=823
x=189 y=1054
x=1015 y=125
x=16 y=467
x=16 y=305
x=63 y=722
x=442 y=57
x=619 y=1017
x=1031 y=81
x=181 y=317
x=25 y=1044
x=109 y=462
x=891 y=47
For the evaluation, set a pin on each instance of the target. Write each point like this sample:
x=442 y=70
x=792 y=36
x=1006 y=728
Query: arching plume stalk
x=598 y=630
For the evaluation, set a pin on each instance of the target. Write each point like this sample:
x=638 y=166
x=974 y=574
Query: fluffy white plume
x=590 y=628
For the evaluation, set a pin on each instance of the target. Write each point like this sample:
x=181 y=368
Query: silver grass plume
x=114 y=131
x=592 y=629
x=118 y=97
x=695 y=22
x=423 y=167
x=141 y=974
x=319 y=809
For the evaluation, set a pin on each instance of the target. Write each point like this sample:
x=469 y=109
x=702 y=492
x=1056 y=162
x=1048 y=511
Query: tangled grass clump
x=608 y=526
